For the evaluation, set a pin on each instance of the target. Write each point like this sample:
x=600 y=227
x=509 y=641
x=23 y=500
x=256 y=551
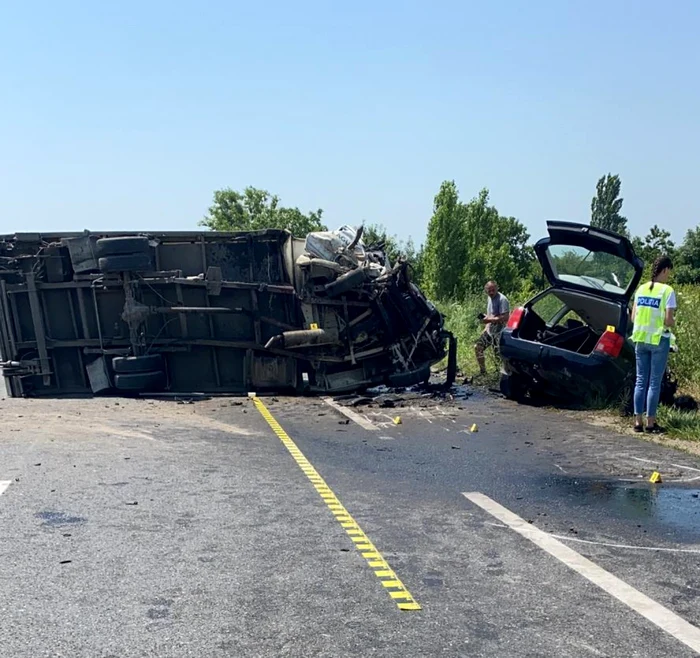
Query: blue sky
x=130 y=114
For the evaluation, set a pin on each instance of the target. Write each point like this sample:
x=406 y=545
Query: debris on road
x=655 y=478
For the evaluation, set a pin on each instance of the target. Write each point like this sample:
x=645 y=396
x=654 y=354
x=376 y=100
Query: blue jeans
x=651 y=365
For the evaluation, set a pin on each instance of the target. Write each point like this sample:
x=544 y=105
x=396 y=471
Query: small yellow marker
x=474 y=428
x=397 y=420
x=655 y=477
x=313 y=325
x=610 y=328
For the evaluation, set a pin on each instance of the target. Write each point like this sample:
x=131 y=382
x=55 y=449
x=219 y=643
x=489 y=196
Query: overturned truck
x=210 y=312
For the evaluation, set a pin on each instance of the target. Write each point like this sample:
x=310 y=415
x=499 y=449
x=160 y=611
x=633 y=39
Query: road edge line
x=656 y=613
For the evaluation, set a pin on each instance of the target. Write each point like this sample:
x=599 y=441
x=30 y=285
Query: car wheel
x=125 y=263
x=122 y=246
x=132 y=364
x=513 y=387
x=140 y=382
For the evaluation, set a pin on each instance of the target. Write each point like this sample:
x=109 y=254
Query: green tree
x=497 y=247
x=654 y=244
x=445 y=246
x=606 y=205
x=255 y=209
x=687 y=258
x=468 y=244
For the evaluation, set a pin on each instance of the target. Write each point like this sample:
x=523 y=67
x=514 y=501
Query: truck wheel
x=122 y=246
x=141 y=382
x=406 y=379
x=513 y=387
x=133 y=364
x=125 y=263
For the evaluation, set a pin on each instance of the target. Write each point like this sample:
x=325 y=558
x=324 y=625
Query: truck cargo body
x=226 y=312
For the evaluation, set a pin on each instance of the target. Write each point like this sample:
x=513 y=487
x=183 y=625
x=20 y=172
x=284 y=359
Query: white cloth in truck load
x=332 y=245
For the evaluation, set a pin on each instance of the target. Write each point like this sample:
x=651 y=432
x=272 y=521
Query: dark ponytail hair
x=660 y=264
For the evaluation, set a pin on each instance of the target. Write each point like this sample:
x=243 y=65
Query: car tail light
x=515 y=317
x=610 y=343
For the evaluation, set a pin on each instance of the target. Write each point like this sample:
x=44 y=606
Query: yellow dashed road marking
x=391 y=582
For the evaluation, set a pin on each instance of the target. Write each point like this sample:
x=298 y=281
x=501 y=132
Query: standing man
x=497 y=311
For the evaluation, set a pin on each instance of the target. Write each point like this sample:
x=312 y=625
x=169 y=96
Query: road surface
x=281 y=527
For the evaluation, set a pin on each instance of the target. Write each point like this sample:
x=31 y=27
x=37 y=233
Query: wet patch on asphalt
x=674 y=506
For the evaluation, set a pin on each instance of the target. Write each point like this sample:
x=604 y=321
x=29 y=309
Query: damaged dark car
x=572 y=341
x=210 y=312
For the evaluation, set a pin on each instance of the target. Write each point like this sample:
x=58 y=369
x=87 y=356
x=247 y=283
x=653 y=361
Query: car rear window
x=591 y=269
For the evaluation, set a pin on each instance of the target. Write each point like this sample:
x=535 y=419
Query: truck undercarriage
x=208 y=312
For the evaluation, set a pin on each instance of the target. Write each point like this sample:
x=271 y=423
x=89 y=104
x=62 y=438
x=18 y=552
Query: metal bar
x=39 y=334
x=159 y=281
x=320 y=301
x=195 y=309
x=204 y=254
x=212 y=343
x=212 y=333
x=360 y=317
x=347 y=330
x=83 y=313
x=256 y=317
x=5 y=315
x=15 y=318
x=83 y=374
x=183 y=320
x=5 y=351
x=97 y=318
x=72 y=313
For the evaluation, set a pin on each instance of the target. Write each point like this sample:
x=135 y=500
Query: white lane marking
x=560 y=468
x=355 y=417
x=3 y=485
x=657 y=614
x=628 y=546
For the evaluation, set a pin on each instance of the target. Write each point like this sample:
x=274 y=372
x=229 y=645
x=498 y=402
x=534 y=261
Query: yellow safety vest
x=650 y=315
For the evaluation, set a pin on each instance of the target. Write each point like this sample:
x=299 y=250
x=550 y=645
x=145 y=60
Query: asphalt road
x=146 y=528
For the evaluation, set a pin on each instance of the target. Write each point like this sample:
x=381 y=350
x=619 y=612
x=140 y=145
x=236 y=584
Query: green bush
x=686 y=362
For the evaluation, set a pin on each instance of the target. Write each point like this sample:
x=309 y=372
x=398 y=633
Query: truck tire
x=125 y=263
x=406 y=379
x=513 y=387
x=140 y=382
x=133 y=364
x=122 y=246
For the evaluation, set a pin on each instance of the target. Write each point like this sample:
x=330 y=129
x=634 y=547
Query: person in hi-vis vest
x=653 y=315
